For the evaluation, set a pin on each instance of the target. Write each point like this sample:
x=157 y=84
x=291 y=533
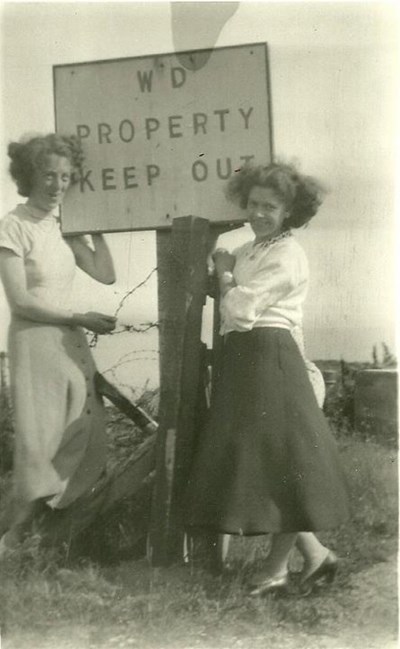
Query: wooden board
x=160 y=138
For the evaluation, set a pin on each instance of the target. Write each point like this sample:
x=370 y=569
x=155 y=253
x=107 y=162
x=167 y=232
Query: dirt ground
x=373 y=616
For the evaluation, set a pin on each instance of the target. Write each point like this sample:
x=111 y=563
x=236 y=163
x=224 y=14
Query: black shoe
x=269 y=585
x=326 y=571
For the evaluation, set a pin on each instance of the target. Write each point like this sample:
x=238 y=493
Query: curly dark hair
x=27 y=155
x=302 y=195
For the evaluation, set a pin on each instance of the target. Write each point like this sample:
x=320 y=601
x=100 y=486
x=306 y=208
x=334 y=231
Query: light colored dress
x=60 y=444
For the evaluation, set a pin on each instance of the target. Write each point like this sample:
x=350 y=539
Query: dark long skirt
x=266 y=461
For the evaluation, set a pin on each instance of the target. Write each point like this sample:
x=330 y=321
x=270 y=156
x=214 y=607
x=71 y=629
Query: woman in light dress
x=267 y=462
x=59 y=420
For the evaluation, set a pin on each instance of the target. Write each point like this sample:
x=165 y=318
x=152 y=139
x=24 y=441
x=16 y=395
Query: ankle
x=270 y=572
x=315 y=558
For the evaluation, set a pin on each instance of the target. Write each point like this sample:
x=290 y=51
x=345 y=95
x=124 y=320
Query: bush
x=339 y=403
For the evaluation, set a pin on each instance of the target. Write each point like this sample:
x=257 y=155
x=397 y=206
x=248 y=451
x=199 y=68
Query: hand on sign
x=223 y=261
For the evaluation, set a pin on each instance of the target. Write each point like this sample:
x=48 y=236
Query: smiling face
x=50 y=182
x=266 y=212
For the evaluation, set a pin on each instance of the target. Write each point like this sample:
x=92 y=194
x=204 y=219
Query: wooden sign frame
x=155 y=155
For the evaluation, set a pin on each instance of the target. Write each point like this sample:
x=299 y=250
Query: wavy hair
x=28 y=155
x=302 y=195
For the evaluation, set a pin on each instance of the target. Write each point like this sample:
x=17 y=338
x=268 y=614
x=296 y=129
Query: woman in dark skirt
x=267 y=462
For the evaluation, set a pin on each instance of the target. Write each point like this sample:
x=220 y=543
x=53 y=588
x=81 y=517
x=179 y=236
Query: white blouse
x=272 y=283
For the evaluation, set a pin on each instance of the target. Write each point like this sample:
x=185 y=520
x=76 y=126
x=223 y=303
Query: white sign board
x=161 y=139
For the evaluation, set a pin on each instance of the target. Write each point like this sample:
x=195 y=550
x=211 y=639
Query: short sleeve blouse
x=48 y=260
x=13 y=236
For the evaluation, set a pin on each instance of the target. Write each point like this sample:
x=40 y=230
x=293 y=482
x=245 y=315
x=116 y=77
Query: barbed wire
x=143 y=327
x=127 y=362
x=122 y=359
x=127 y=386
x=132 y=290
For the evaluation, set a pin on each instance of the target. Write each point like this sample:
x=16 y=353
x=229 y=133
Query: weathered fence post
x=182 y=285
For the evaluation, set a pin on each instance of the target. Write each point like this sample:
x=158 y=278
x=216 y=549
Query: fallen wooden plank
x=64 y=525
x=130 y=409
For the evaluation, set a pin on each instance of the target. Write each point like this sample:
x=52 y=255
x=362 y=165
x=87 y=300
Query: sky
x=334 y=97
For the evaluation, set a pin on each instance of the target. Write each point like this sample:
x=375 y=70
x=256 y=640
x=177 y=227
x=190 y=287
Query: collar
x=269 y=242
x=38 y=215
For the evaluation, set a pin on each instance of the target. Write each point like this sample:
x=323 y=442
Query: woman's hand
x=224 y=261
x=99 y=323
x=224 y=265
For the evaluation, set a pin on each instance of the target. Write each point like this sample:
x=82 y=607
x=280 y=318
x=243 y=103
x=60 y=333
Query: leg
x=274 y=577
x=276 y=565
x=220 y=553
x=317 y=558
x=223 y=547
x=312 y=550
x=278 y=558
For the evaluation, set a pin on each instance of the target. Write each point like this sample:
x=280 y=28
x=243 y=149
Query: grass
x=47 y=602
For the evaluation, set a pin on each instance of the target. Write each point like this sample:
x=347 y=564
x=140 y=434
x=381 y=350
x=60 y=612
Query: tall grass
x=186 y=606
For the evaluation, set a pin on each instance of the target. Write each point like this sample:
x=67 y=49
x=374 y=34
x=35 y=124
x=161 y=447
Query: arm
x=224 y=265
x=28 y=306
x=282 y=272
x=98 y=262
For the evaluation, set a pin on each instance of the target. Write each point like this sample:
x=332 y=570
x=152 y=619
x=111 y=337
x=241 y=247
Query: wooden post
x=220 y=543
x=182 y=285
x=215 y=231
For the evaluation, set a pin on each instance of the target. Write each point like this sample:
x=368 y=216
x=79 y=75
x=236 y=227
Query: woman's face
x=50 y=182
x=266 y=212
